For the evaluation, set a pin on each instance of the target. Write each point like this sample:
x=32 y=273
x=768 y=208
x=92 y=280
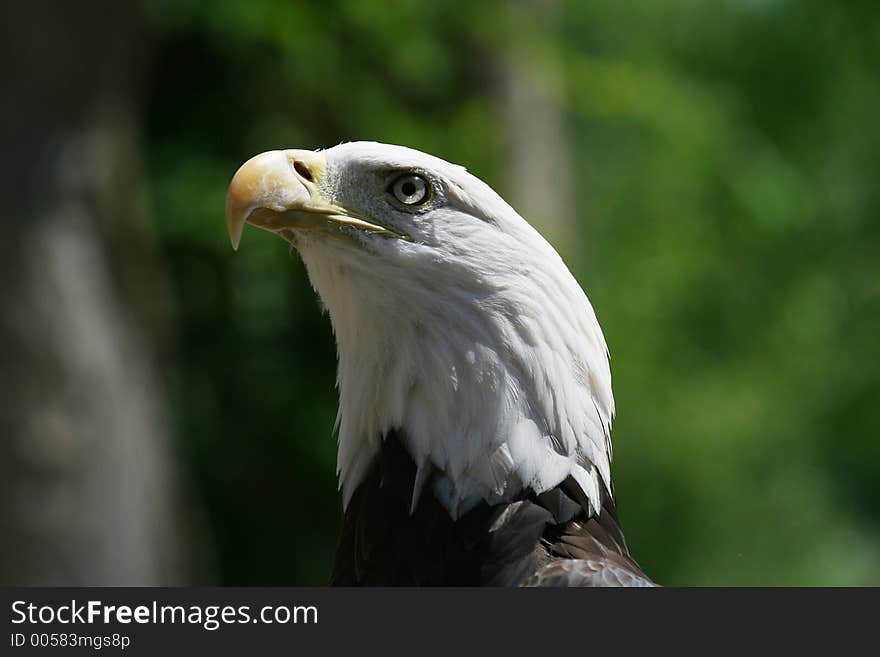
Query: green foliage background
x=726 y=158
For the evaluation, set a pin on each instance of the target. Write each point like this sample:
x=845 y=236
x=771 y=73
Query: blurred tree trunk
x=537 y=154
x=86 y=480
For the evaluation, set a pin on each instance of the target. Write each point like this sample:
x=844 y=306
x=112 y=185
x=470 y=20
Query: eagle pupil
x=408 y=188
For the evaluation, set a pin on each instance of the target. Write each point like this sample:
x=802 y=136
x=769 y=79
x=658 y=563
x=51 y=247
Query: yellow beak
x=278 y=191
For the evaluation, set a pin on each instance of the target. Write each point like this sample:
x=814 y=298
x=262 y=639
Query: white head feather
x=472 y=339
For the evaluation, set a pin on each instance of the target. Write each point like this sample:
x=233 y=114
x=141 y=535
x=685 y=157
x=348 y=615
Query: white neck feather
x=501 y=382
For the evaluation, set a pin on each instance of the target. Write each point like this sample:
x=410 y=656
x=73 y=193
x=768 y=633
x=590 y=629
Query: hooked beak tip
x=236 y=218
x=269 y=181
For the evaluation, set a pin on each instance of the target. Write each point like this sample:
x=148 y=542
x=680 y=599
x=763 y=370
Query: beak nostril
x=303 y=170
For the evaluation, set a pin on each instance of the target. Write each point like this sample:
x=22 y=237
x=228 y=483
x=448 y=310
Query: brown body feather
x=554 y=539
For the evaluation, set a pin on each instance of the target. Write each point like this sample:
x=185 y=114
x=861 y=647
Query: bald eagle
x=475 y=400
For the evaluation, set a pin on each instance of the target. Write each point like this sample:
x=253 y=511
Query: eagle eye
x=410 y=189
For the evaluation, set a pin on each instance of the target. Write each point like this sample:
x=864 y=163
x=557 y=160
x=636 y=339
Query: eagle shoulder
x=523 y=542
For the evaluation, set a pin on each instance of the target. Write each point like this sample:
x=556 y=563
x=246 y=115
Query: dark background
x=708 y=170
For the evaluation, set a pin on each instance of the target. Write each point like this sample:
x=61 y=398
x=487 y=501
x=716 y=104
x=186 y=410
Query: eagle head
x=457 y=325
